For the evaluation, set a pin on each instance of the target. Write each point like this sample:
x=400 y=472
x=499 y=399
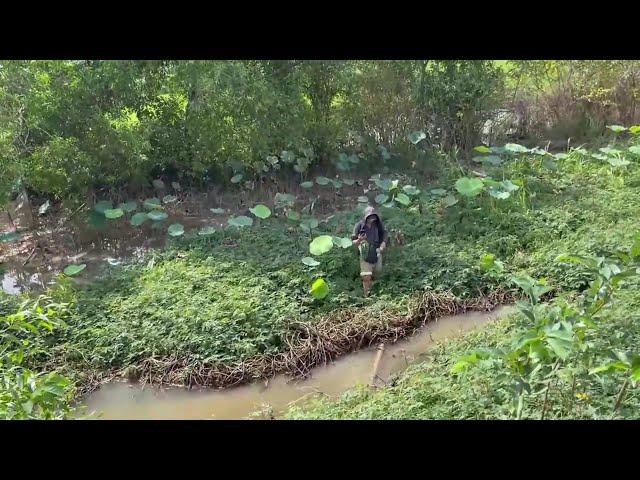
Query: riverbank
x=233 y=306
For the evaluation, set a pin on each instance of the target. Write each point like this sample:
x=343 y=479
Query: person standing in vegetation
x=370 y=238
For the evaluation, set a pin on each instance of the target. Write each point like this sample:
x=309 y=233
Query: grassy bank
x=232 y=306
x=582 y=208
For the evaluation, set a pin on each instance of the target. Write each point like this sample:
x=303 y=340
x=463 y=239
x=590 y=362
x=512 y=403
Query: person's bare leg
x=366 y=285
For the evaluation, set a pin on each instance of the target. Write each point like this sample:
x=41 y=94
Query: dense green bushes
x=69 y=126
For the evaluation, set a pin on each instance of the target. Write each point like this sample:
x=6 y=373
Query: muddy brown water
x=123 y=401
x=95 y=248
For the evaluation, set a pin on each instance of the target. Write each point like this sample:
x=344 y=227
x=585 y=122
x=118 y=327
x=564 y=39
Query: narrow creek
x=123 y=401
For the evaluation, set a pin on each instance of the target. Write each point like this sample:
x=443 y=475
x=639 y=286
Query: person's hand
x=383 y=245
x=359 y=240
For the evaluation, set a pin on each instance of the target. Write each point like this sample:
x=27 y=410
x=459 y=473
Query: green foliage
x=157 y=215
x=310 y=262
x=175 y=230
x=114 y=213
x=321 y=245
x=138 y=219
x=26 y=394
x=74 y=125
x=261 y=211
x=570 y=358
x=129 y=207
x=469 y=187
x=72 y=270
x=319 y=289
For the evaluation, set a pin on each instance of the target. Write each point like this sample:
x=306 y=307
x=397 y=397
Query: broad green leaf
x=272 y=159
x=610 y=151
x=482 y=149
x=319 y=289
x=176 y=186
x=635 y=129
x=385 y=153
x=616 y=128
x=489 y=263
x=348 y=181
x=599 y=156
x=71 y=270
x=306 y=184
x=207 y=231
x=469 y=187
x=237 y=178
x=261 y=211
x=218 y=211
x=417 y=137
x=169 y=199
x=157 y=215
x=560 y=347
x=287 y=156
x=97 y=220
x=322 y=180
x=499 y=194
x=560 y=156
x=113 y=262
x=438 y=191
x=138 y=219
x=539 y=151
x=158 y=184
x=102 y=206
x=382 y=198
x=113 y=213
x=337 y=184
x=411 y=190
x=509 y=186
x=549 y=164
x=293 y=216
x=363 y=199
x=43 y=208
x=469 y=360
x=240 y=221
x=610 y=367
x=175 y=230
x=403 y=199
x=129 y=206
x=560 y=331
x=151 y=203
x=385 y=184
x=310 y=262
x=342 y=242
x=635 y=149
x=354 y=159
x=449 y=201
x=321 y=245
x=283 y=200
x=390 y=204
x=515 y=148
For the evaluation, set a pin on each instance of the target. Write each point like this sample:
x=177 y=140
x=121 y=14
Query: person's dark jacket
x=376 y=234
